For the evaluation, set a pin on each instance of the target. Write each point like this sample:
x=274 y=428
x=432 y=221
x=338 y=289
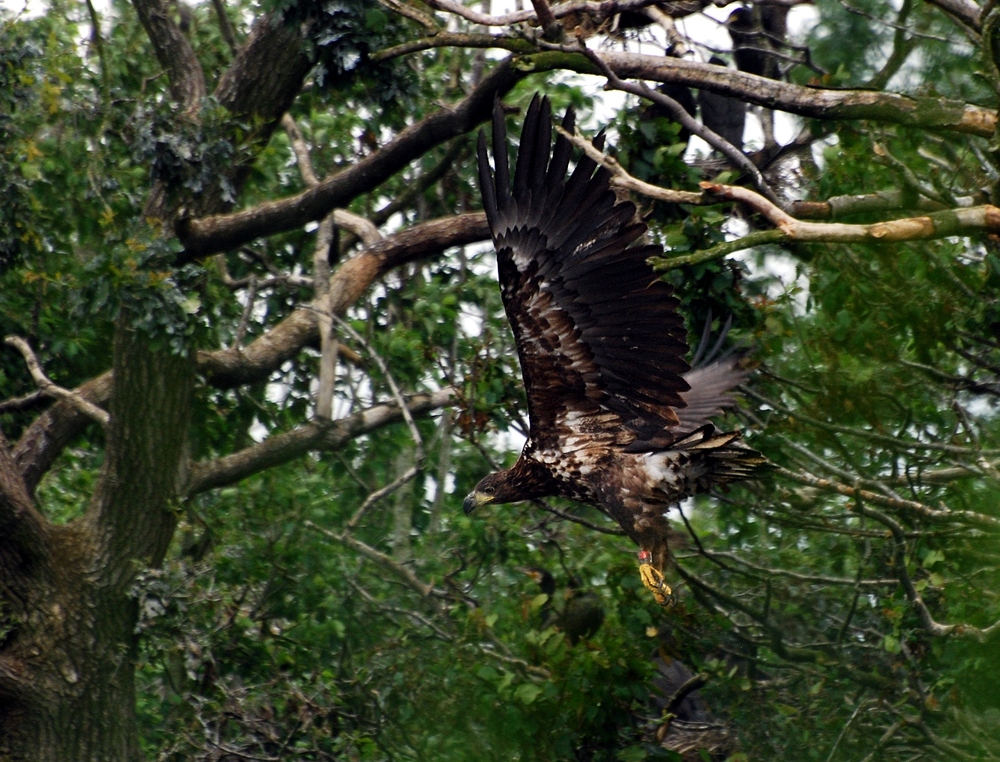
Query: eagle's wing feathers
x=597 y=332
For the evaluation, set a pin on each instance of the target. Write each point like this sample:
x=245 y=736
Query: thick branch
x=816 y=103
x=212 y=234
x=174 y=53
x=267 y=73
x=965 y=12
x=23 y=531
x=52 y=431
x=879 y=201
x=314 y=435
x=231 y=367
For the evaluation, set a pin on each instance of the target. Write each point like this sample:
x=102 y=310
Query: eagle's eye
x=489 y=490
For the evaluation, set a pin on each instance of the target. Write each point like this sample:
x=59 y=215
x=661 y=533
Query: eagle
x=617 y=418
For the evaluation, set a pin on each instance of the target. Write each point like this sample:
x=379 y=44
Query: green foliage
x=18 y=72
x=268 y=634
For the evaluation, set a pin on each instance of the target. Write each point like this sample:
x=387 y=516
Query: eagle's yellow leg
x=652 y=578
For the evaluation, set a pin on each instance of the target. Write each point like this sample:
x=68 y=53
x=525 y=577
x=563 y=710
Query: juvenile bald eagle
x=617 y=417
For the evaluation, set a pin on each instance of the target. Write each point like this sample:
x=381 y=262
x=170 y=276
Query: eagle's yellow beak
x=475 y=499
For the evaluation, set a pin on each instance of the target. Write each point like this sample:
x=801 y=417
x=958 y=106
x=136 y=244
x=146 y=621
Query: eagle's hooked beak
x=475 y=499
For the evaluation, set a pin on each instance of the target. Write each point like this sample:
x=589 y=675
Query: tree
x=253 y=350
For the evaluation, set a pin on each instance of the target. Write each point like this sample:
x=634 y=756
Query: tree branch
x=174 y=53
x=51 y=432
x=314 y=435
x=231 y=367
x=817 y=103
x=912 y=595
x=23 y=530
x=86 y=407
x=966 y=517
x=588 y=7
x=212 y=234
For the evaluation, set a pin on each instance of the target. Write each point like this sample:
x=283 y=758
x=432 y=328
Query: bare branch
x=880 y=201
x=311 y=436
x=965 y=12
x=300 y=150
x=426 y=590
x=622 y=179
x=418 y=457
x=679 y=114
x=966 y=517
x=411 y=13
x=817 y=103
x=329 y=346
x=225 y=25
x=46 y=385
x=811 y=102
x=363 y=228
x=546 y=19
x=251 y=297
x=978 y=219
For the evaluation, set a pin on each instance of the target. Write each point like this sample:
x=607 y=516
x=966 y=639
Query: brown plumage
x=618 y=418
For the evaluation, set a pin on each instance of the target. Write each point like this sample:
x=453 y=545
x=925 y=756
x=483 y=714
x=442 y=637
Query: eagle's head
x=527 y=480
x=491 y=489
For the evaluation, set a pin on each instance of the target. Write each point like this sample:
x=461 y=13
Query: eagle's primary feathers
x=618 y=418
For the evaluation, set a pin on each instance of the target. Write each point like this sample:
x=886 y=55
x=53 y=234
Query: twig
x=415 y=615
x=251 y=296
x=577 y=519
x=843 y=730
x=946 y=514
x=886 y=737
x=21 y=403
x=623 y=179
x=870 y=435
x=912 y=595
x=418 y=457
x=425 y=589
x=679 y=114
x=46 y=386
x=376 y=495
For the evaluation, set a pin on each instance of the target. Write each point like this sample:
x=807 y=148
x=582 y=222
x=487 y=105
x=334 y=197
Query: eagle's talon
x=653 y=580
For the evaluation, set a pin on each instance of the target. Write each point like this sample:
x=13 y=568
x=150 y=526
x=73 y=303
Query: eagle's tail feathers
x=729 y=459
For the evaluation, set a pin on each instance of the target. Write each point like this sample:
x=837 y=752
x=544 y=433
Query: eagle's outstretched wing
x=598 y=334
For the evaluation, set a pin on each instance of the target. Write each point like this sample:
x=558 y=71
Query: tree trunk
x=67 y=660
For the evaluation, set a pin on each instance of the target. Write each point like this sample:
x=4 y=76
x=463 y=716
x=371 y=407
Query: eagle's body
x=618 y=418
